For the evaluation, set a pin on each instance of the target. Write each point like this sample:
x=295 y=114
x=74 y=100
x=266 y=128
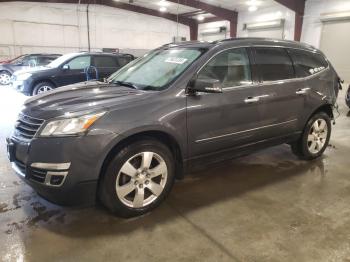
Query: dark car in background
x=7 y=68
x=347 y=98
x=182 y=106
x=69 y=69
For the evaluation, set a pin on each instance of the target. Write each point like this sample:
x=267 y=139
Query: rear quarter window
x=307 y=63
x=274 y=64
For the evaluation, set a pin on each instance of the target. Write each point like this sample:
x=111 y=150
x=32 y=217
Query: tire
x=128 y=201
x=315 y=137
x=5 y=78
x=42 y=87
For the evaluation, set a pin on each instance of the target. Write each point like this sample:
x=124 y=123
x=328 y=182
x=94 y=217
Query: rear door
x=221 y=121
x=281 y=106
x=73 y=71
x=105 y=65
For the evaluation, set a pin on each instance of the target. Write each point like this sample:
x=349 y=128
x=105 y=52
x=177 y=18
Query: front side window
x=230 y=67
x=80 y=62
x=307 y=63
x=156 y=70
x=274 y=64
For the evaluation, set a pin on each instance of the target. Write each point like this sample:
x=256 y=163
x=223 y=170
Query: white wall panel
x=312 y=25
x=267 y=14
x=47 y=27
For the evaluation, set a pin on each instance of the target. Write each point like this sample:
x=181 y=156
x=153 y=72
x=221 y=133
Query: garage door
x=269 y=33
x=335 y=43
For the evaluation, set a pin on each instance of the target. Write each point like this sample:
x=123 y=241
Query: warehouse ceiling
x=175 y=8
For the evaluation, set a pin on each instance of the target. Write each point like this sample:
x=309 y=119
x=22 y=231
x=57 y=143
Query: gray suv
x=125 y=141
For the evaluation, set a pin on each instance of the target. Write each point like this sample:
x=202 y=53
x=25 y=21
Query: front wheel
x=138 y=178
x=315 y=137
x=42 y=87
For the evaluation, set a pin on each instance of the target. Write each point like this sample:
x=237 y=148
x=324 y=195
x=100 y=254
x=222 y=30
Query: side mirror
x=205 y=86
x=66 y=67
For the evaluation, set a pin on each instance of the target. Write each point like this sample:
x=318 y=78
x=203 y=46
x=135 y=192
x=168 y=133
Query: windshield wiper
x=127 y=84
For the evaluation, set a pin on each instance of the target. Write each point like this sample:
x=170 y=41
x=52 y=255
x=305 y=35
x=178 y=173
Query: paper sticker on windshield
x=176 y=60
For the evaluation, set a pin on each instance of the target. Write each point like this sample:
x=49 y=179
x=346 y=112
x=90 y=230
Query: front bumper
x=63 y=170
x=22 y=86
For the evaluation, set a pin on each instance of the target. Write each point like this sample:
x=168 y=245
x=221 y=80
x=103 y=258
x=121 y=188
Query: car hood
x=81 y=98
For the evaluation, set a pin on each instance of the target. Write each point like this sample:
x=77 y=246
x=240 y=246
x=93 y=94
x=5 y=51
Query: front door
x=73 y=71
x=225 y=120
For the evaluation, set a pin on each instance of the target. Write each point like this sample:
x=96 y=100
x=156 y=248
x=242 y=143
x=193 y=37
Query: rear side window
x=274 y=64
x=105 y=61
x=307 y=63
x=230 y=67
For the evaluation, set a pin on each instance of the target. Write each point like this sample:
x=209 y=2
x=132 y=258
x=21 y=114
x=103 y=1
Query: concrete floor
x=265 y=207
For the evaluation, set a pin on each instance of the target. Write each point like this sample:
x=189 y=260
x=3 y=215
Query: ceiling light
x=252 y=8
x=162 y=9
x=200 y=18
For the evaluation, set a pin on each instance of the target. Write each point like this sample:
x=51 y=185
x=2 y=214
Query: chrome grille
x=26 y=127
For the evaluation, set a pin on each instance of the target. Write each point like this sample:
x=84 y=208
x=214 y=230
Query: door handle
x=302 y=91
x=250 y=100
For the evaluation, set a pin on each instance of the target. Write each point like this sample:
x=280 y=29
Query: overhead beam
x=226 y=14
x=210 y=19
x=194 y=13
x=298 y=6
x=295 y=5
x=215 y=10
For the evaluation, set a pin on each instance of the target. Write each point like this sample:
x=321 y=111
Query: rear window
x=105 y=61
x=274 y=64
x=307 y=63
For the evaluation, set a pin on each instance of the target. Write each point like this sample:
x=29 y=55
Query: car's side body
x=200 y=128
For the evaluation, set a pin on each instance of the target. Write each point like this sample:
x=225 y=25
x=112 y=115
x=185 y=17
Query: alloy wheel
x=141 y=180
x=5 y=79
x=317 y=136
x=43 y=89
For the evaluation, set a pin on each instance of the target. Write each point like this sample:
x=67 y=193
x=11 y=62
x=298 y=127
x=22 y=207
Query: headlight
x=71 y=126
x=24 y=76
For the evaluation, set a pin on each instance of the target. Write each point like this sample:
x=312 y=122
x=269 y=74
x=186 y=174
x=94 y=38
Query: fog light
x=56 y=180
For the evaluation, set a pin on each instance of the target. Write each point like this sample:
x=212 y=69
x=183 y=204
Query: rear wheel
x=138 y=178
x=5 y=78
x=42 y=87
x=315 y=137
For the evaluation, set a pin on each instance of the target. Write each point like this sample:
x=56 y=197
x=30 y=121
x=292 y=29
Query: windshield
x=156 y=70
x=57 y=62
